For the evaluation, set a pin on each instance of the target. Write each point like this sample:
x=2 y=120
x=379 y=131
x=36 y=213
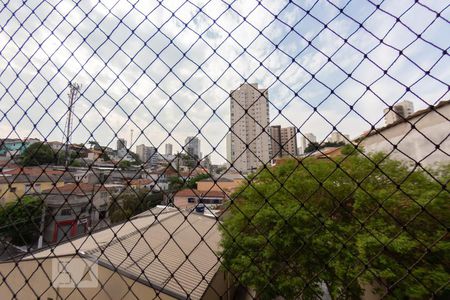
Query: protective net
x=224 y=149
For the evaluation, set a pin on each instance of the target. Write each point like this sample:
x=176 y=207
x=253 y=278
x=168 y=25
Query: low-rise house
x=421 y=137
x=14 y=186
x=142 y=183
x=73 y=208
x=190 y=198
x=143 y=258
x=15 y=147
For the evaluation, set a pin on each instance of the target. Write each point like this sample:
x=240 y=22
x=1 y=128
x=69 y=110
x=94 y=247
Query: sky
x=164 y=69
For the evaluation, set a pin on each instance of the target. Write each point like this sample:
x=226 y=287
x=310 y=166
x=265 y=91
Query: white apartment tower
x=306 y=139
x=337 y=137
x=169 y=149
x=250 y=141
x=399 y=111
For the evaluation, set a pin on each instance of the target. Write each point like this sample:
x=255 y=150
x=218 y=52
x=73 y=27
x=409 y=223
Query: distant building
x=169 y=149
x=337 y=137
x=399 y=111
x=283 y=141
x=192 y=147
x=228 y=145
x=121 y=144
x=190 y=198
x=418 y=143
x=275 y=141
x=307 y=139
x=73 y=208
x=15 y=147
x=148 y=155
x=250 y=140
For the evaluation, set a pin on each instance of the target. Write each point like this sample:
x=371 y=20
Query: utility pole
x=74 y=94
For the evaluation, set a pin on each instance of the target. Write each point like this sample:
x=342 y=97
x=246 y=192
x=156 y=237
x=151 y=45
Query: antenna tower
x=74 y=94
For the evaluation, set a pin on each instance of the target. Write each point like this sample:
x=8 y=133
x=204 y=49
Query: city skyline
x=154 y=94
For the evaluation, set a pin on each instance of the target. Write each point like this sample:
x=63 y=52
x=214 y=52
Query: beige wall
x=416 y=143
x=182 y=202
x=116 y=286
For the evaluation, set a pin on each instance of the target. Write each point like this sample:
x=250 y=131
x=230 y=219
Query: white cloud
x=140 y=66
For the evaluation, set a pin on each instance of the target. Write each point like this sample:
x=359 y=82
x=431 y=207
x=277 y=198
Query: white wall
x=419 y=143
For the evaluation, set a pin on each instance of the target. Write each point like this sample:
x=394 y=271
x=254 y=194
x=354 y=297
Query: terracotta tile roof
x=35 y=171
x=141 y=181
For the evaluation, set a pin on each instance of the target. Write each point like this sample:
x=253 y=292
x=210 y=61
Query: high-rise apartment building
x=275 y=141
x=168 y=149
x=337 y=137
x=399 y=111
x=283 y=141
x=192 y=147
x=249 y=114
x=121 y=144
x=289 y=141
x=148 y=155
x=307 y=139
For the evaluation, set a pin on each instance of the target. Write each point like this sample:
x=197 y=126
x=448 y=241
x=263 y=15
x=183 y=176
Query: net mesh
x=224 y=149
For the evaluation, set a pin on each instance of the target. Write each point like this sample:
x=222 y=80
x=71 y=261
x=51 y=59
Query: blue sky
x=154 y=62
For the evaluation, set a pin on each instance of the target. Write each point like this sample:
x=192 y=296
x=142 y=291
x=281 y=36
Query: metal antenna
x=74 y=94
x=131 y=136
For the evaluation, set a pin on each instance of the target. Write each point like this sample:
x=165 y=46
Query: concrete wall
x=111 y=285
x=431 y=127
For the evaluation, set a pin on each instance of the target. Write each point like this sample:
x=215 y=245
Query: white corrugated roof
x=176 y=253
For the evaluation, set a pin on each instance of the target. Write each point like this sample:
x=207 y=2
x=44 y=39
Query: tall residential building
x=192 y=147
x=250 y=141
x=168 y=149
x=337 y=137
x=289 y=141
x=307 y=139
x=275 y=141
x=283 y=141
x=399 y=111
x=141 y=152
x=121 y=144
x=147 y=155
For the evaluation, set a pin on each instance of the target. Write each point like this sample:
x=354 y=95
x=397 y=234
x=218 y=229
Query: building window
x=191 y=200
x=12 y=189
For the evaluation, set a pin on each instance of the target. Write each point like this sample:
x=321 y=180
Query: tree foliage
x=20 y=220
x=38 y=154
x=176 y=183
x=342 y=224
x=133 y=202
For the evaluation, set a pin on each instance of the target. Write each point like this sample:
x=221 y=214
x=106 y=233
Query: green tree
x=298 y=227
x=312 y=147
x=137 y=160
x=132 y=202
x=38 y=154
x=20 y=220
x=176 y=183
x=124 y=164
